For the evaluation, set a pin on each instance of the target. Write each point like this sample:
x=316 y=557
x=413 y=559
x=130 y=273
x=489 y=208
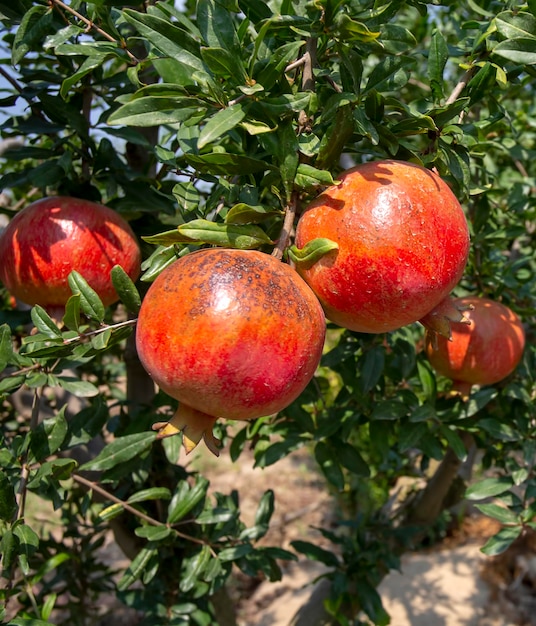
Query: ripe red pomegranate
x=229 y=333
x=50 y=237
x=483 y=352
x=403 y=245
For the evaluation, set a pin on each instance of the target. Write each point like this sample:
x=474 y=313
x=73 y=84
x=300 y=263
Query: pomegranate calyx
x=194 y=426
x=438 y=321
x=461 y=389
x=311 y=252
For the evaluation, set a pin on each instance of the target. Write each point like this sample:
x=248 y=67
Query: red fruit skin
x=232 y=333
x=51 y=237
x=484 y=352
x=403 y=245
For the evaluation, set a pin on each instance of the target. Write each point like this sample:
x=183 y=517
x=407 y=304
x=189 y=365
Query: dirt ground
x=450 y=584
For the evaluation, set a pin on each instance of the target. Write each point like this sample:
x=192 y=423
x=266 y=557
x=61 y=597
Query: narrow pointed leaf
x=220 y=123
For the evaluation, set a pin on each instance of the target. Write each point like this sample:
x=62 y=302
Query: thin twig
x=25 y=469
x=125 y=505
x=92 y=25
x=10 y=79
x=98 y=331
x=295 y=64
x=288 y=225
x=462 y=84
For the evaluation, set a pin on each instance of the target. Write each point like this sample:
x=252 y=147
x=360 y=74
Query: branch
x=464 y=80
x=288 y=225
x=128 y=507
x=91 y=25
x=98 y=331
x=25 y=470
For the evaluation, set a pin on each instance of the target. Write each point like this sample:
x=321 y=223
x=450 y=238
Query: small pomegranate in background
x=483 y=352
x=403 y=243
x=229 y=333
x=51 y=237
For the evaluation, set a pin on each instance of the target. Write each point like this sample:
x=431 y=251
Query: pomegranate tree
x=482 y=352
x=229 y=333
x=51 y=237
x=402 y=240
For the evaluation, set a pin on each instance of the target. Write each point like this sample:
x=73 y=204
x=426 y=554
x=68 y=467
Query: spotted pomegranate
x=51 y=237
x=483 y=352
x=229 y=333
x=403 y=243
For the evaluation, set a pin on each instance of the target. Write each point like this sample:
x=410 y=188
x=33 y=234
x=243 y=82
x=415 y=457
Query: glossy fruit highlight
x=483 y=352
x=51 y=237
x=403 y=243
x=229 y=333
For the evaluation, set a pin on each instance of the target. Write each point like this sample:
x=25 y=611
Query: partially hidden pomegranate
x=482 y=353
x=51 y=237
x=403 y=243
x=229 y=333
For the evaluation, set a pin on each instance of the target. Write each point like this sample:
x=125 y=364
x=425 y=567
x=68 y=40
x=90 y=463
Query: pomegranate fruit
x=234 y=334
x=403 y=243
x=483 y=352
x=52 y=236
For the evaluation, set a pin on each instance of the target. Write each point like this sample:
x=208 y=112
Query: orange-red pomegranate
x=49 y=238
x=483 y=352
x=403 y=245
x=229 y=333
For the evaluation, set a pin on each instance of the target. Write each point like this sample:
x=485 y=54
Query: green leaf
x=28 y=544
x=33 y=27
x=57 y=469
x=309 y=177
x=315 y=553
x=216 y=25
x=79 y=388
x=90 y=303
x=516 y=25
x=245 y=237
x=119 y=451
x=220 y=123
x=137 y=567
x=454 y=441
x=312 y=251
x=489 y=487
x=371 y=366
x=171 y=40
x=500 y=513
x=152 y=493
x=44 y=323
x=126 y=289
x=6 y=346
x=329 y=464
x=71 y=317
x=500 y=542
x=522 y=50
x=87 y=67
x=194 y=567
x=390 y=74
x=49 y=435
x=153 y=533
x=350 y=458
x=338 y=134
x=8 y=502
x=186 y=498
x=437 y=59
x=224 y=64
x=243 y=213
x=153 y=111
x=427 y=380
x=226 y=164
x=235 y=553
x=389 y=410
